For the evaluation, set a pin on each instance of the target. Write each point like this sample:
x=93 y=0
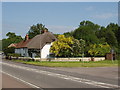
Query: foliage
x=56 y=35
x=69 y=34
x=99 y=49
x=86 y=31
x=9 y=50
x=67 y=47
x=36 y=29
x=118 y=36
x=62 y=47
x=109 y=34
x=12 y=38
x=78 y=47
x=96 y=34
x=14 y=54
x=110 y=38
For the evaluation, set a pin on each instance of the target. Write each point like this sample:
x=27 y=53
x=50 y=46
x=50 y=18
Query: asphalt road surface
x=10 y=82
x=30 y=76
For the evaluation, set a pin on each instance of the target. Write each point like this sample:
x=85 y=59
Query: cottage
x=37 y=46
x=41 y=44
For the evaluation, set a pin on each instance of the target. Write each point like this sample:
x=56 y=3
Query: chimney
x=26 y=37
x=45 y=30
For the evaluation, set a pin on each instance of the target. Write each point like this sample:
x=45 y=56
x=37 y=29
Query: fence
x=65 y=59
x=62 y=59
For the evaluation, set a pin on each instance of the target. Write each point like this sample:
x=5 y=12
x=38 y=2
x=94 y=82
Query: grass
x=105 y=63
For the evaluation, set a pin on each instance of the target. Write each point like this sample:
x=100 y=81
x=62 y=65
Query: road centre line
x=66 y=77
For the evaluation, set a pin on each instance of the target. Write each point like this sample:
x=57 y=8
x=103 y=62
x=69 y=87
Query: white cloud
x=105 y=15
x=60 y=29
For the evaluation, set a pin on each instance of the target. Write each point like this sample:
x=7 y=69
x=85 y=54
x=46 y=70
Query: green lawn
x=105 y=63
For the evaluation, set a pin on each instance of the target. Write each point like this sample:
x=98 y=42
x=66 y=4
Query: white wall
x=46 y=50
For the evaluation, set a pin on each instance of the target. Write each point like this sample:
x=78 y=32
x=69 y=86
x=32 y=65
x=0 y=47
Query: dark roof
x=23 y=43
x=39 y=41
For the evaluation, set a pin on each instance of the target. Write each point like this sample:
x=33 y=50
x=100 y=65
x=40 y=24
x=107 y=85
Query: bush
x=9 y=55
x=9 y=50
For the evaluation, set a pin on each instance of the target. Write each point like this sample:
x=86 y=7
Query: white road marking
x=34 y=86
x=66 y=77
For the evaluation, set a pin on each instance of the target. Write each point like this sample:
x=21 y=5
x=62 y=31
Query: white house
x=42 y=44
x=38 y=45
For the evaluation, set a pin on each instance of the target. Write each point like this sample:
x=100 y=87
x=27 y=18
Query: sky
x=58 y=17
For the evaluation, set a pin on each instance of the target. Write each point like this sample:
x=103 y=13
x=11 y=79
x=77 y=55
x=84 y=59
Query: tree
x=67 y=47
x=12 y=38
x=9 y=50
x=86 y=31
x=78 y=47
x=11 y=35
x=90 y=24
x=36 y=29
x=108 y=34
x=113 y=27
x=96 y=34
x=62 y=47
x=68 y=34
x=118 y=36
x=99 y=49
x=110 y=38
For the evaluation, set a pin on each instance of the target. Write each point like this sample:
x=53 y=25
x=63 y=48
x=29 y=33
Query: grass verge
x=105 y=63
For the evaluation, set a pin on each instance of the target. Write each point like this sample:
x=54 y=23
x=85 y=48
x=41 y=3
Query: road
x=10 y=82
x=48 y=77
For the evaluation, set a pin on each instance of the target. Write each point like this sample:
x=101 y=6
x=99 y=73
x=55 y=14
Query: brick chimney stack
x=26 y=37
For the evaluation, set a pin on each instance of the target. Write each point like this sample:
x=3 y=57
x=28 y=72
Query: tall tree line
x=96 y=34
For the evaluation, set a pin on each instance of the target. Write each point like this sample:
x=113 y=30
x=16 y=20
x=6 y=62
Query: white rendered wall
x=46 y=51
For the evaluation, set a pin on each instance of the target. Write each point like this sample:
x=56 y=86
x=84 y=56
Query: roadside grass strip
x=66 y=77
x=71 y=64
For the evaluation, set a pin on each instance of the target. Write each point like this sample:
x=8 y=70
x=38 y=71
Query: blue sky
x=58 y=17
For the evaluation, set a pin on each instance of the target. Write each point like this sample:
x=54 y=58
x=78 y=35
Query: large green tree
x=96 y=34
x=36 y=29
x=12 y=38
x=69 y=34
x=110 y=38
x=109 y=34
x=86 y=31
